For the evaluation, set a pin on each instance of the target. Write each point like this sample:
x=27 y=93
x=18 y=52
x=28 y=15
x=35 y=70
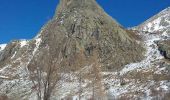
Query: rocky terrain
x=159 y=23
x=164 y=48
x=88 y=45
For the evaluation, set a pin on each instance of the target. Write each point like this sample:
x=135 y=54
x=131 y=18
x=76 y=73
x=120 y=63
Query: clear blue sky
x=22 y=19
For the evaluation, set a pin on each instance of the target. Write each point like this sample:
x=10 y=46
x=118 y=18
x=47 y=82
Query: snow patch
x=153 y=26
x=4 y=68
x=158 y=23
x=151 y=55
x=38 y=41
x=165 y=85
x=14 y=55
x=23 y=43
x=2 y=46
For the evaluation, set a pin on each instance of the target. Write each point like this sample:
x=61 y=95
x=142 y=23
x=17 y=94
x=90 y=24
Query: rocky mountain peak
x=2 y=46
x=68 y=5
x=79 y=30
x=83 y=24
x=166 y=10
x=160 y=23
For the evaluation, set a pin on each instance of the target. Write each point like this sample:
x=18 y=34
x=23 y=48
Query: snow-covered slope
x=76 y=27
x=159 y=23
x=2 y=46
x=136 y=77
x=147 y=79
x=14 y=74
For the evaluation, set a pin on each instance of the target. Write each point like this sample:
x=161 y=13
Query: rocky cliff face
x=130 y=61
x=155 y=33
x=164 y=48
x=160 y=23
x=82 y=24
x=78 y=25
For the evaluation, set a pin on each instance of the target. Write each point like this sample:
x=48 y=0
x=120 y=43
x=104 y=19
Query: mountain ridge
x=84 y=39
x=159 y=22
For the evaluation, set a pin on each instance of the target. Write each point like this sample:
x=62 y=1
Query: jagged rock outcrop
x=82 y=27
x=154 y=71
x=159 y=24
x=78 y=25
x=82 y=24
x=164 y=48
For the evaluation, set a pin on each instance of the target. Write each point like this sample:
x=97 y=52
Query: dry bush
x=4 y=97
x=46 y=74
x=96 y=77
x=133 y=34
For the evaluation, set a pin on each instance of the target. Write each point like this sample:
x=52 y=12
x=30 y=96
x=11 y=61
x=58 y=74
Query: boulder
x=164 y=48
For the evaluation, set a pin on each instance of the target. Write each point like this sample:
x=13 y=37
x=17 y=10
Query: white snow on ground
x=115 y=89
x=22 y=84
x=156 y=23
x=152 y=54
x=69 y=87
x=3 y=77
x=16 y=88
x=159 y=22
x=2 y=46
x=39 y=34
x=38 y=41
x=23 y=43
x=165 y=34
x=165 y=85
x=14 y=55
x=1 y=70
x=15 y=80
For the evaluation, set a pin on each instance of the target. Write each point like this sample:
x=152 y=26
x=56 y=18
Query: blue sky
x=22 y=19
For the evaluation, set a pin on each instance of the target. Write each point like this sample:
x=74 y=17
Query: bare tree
x=46 y=74
x=94 y=74
x=80 y=62
x=96 y=77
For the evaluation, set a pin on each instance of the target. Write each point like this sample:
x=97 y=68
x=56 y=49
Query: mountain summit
x=83 y=25
x=78 y=28
x=160 y=23
x=82 y=53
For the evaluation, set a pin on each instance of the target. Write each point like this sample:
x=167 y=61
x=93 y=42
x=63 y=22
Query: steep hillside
x=149 y=79
x=159 y=23
x=93 y=56
x=79 y=28
x=82 y=24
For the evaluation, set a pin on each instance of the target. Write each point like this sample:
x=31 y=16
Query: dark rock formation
x=81 y=27
x=164 y=48
x=82 y=24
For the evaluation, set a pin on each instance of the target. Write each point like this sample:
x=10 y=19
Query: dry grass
x=133 y=34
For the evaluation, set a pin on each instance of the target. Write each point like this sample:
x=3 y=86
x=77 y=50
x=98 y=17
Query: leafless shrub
x=46 y=75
